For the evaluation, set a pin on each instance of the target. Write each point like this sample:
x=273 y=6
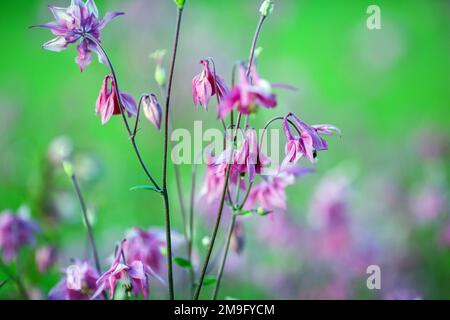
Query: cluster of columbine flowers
x=236 y=169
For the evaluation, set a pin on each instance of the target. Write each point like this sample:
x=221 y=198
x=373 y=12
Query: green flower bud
x=68 y=168
x=160 y=75
x=266 y=8
x=180 y=3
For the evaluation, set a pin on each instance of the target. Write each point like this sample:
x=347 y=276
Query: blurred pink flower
x=215 y=175
x=203 y=86
x=145 y=246
x=246 y=95
x=269 y=194
x=78 y=21
x=45 y=258
x=78 y=283
x=16 y=231
x=428 y=202
x=108 y=102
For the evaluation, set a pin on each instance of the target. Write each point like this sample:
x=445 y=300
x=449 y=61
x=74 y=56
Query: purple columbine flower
x=78 y=21
x=78 y=283
x=134 y=276
x=308 y=143
x=247 y=95
x=152 y=109
x=45 y=258
x=145 y=246
x=108 y=104
x=16 y=231
x=203 y=86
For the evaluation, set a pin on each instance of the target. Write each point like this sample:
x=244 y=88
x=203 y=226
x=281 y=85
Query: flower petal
x=58 y=44
x=107 y=18
x=84 y=57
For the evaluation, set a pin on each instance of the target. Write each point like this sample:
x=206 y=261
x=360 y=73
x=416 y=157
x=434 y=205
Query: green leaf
x=184 y=263
x=230 y=298
x=163 y=251
x=209 y=280
x=145 y=187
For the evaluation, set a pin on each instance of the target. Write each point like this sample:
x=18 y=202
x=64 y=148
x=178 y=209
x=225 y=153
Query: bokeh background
x=379 y=195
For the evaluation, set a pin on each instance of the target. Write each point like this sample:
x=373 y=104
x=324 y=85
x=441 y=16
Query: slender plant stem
x=254 y=42
x=227 y=176
x=131 y=134
x=191 y=224
x=16 y=279
x=219 y=215
x=224 y=257
x=165 y=155
x=87 y=223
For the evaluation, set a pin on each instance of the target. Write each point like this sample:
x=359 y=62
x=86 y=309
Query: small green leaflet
x=145 y=187
x=209 y=280
x=184 y=263
x=241 y=212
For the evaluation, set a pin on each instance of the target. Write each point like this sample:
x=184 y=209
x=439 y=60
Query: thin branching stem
x=165 y=155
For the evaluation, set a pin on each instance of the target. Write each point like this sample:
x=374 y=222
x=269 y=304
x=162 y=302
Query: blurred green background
x=383 y=88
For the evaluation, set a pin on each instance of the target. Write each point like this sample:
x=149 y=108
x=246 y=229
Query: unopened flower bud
x=152 y=109
x=266 y=8
x=68 y=168
x=160 y=75
x=180 y=3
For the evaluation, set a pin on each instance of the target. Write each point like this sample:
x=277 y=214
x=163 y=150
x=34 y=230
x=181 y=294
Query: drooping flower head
x=133 y=275
x=108 y=103
x=145 y=246
x=78 y=283
x=246 y=95
x=152 y=109
x=78 y=21
x=250 y=159
x=308 y=142
x=16 y=231
x=206 y=84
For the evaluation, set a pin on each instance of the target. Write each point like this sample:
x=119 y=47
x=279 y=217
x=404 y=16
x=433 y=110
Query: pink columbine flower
x=203 y=86
x=308 y=142
x=16 y=231
x=270 y=194
x=134 y=276
x=152 y=109
x=78 y=21
x=78 y=283
x=215 y=175
x=247 y=95
x=249 y=158
x=145 y=246
x=108 y=103
x=45 y=258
